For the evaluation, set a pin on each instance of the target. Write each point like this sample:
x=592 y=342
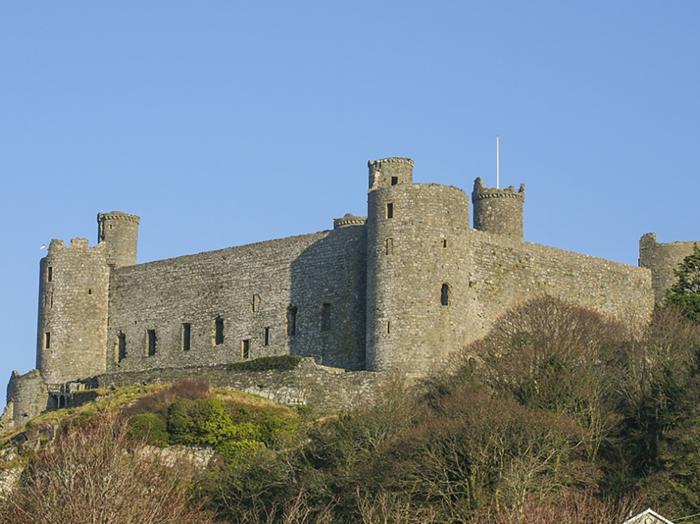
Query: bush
x=150 y=428
x=278 y=363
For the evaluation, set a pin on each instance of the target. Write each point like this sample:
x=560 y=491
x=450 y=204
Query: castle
x=398 y=290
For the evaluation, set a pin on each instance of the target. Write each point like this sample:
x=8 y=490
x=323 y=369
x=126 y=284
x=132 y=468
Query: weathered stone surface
x=400 y=290
x=27 y=397
x=321 y=388
x=663 y=260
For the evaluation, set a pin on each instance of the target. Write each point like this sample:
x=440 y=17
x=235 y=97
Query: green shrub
x=278 y=426
x=279 y=363
x=150 y=428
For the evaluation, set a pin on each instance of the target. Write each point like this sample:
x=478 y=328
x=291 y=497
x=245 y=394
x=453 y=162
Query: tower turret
x=498 y=211
x=663 y=261
x=388 y=172
x=119 y=231
x=73 y=303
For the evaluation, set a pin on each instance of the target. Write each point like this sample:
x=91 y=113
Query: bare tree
x=91 y=474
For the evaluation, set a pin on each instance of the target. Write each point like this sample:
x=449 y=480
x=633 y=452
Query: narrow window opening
x=245 y=349
x=444 y=242
x=47 y=340
x=266 y=337
x=89 y=291
x=389 y=248
x=151 y=342
x=390 y=210
x=186 y=336
x=121 y=347
x=256 y=303
x=49 y=274
x=218 y=337
x=388 y=327
x=291 y=321
x=325 y=317
x=394 y=180
x=445 y=295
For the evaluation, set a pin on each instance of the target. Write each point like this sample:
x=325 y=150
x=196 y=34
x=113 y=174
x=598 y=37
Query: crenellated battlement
x=349 y=219
x=391 y=171
x=57 y=246
x=480 y=191
x=118 y=215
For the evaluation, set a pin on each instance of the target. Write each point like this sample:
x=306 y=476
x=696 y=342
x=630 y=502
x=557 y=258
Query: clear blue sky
x=222 y=123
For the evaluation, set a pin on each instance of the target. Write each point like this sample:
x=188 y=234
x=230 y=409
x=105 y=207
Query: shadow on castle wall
x=326 y=314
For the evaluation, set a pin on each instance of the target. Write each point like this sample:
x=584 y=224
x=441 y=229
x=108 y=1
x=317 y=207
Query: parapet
x=80 y=244
x=480 y=191
x=498 y=211
x=118 y=215
x=392 y=171
x=349 y=220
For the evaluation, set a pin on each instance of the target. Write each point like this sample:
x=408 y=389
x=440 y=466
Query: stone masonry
x=400 y=290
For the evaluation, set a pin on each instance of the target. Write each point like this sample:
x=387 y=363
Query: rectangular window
x=325 y=317
x=47 y=340
x=49 y=274
x=444 y=242
x=151 y=342
x=266 y=337
x=388 y=327
x=390 y=210
x=186 y=336
x=291 y=321
x=445 y=295
x=394 y=180
x=218 y=335
x=389 y=247
x=245 y=349
x=121 y=347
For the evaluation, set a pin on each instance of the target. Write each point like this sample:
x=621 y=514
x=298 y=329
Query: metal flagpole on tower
x=498 y=162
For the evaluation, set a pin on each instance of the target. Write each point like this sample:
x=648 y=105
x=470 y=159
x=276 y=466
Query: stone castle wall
x=401 y=291
x=505 y=273
x=308 y=384
x=663 y=260
x=251 y=289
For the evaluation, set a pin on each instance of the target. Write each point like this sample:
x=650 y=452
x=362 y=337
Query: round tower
x=73 y=303
x=416 y=284
x=498 y=211
x=119 y=231
x=663 y=261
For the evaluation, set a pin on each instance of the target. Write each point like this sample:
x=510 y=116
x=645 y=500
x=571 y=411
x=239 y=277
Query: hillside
x=557 y=416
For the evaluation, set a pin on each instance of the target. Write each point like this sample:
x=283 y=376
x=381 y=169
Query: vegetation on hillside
x=557 y=416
